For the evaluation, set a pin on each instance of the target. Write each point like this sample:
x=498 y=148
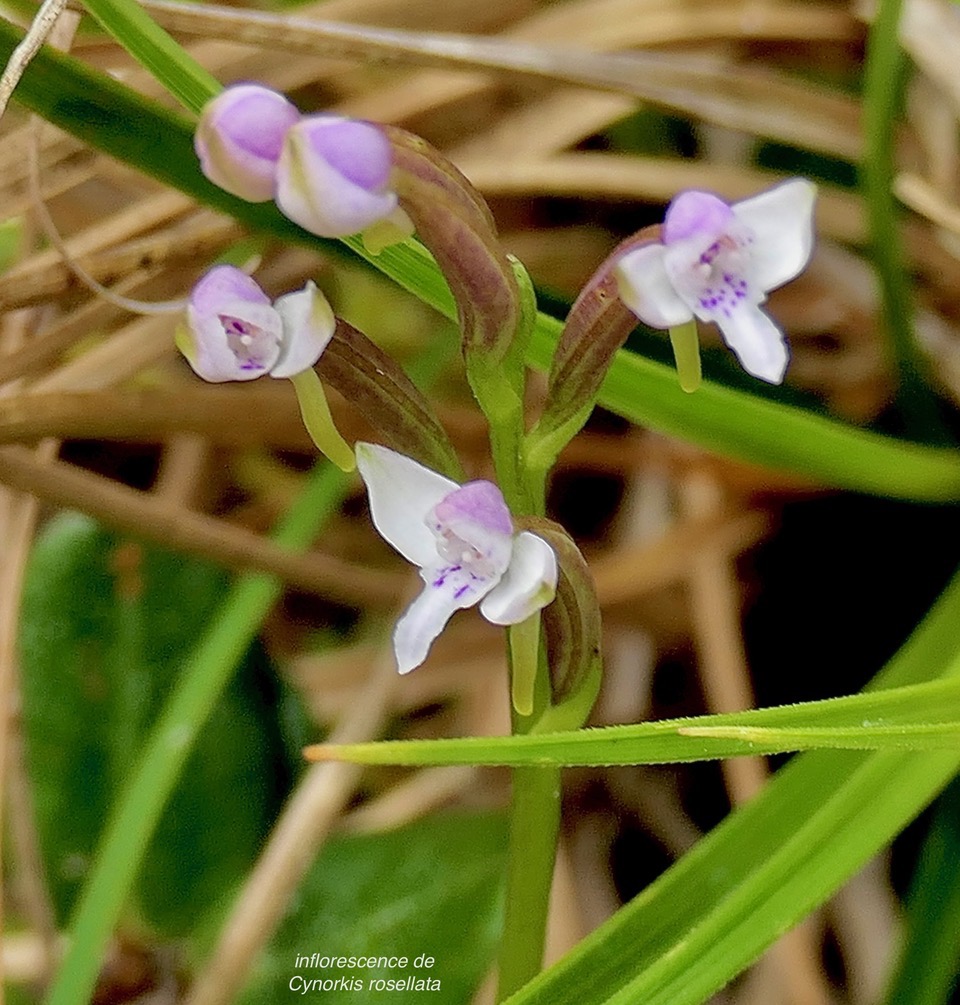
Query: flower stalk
x=524 y=662
x=319 y=422
x=686 y=355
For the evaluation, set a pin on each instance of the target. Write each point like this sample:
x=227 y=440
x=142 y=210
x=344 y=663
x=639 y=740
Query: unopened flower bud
x=333 y=175
x=239 y=138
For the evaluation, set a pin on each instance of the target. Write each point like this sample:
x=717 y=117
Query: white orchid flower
x=463 y=540
x=717 y=262
x=234 y=332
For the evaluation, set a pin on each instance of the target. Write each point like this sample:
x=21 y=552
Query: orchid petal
x=308 y=326
x=696 y=214
x=757 y=341
x=647 y=290
x=447 y=590
x=402 y=493
x=781 y=223
x=529 y=583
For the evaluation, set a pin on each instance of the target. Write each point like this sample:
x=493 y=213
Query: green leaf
x=918 y=717
x=926 y=972
x=99 y=111
x=99 y=649
x=432 y=888
x=151 y=46
x=767 y=865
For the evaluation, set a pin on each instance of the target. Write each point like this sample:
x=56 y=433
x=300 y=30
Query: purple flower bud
x=234 y=333
x=333 y=174
x=239 y=138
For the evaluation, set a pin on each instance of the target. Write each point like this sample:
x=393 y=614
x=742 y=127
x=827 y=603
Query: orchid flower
x=464 y=542
x=239 y=137
x=234 y=332
x=333 y=178
x=717 y=262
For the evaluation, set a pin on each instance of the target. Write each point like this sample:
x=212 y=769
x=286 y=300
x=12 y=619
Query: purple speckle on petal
x=357 y=150
x=463 y=589
x=444 y=573
x=247 y=342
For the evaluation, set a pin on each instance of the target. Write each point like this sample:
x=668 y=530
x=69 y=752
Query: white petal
x=402 y=493
x=757 y=341
x=781 y=220
x=529 y=583
x=447 y=590
x=308 y=325
x=646 y=289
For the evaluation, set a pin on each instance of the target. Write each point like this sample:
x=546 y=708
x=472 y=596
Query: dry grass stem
x=40 y=28
x=147 y=517
x=422 y=793
x=924 y=199
x=18 y=531
x=635 y=570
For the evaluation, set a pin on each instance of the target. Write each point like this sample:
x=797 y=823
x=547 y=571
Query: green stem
x=138 y=809
x=534 y=826
x=316 y=416
x=883 y=77
x=535 y=806
x=503 y=408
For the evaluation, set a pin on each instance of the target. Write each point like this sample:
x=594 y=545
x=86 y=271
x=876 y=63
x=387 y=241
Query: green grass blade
x=882 y=86
x=151 y=46
x=918 y=717
x=767 y=865
x=927 y=970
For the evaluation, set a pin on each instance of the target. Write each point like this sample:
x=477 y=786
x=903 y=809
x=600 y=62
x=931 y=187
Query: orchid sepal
x=333 y=175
